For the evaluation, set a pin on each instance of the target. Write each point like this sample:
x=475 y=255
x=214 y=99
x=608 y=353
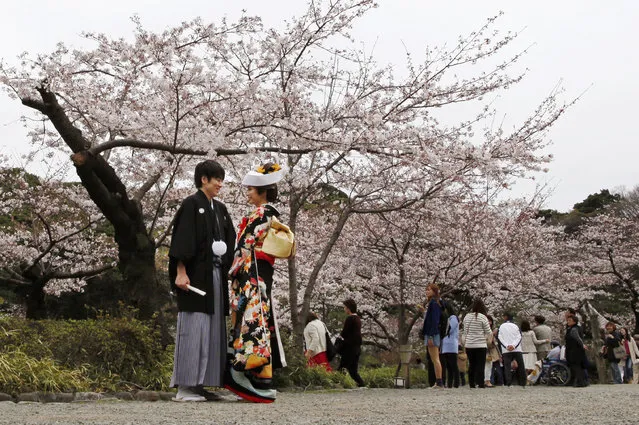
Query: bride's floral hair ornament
x=264 y=175
x=268 y=168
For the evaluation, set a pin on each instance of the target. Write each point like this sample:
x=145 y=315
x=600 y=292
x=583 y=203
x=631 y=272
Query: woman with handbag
x=315 y=339
x=256 y=346
x=611 y=341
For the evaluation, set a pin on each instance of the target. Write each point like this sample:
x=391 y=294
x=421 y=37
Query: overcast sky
x=590 y=46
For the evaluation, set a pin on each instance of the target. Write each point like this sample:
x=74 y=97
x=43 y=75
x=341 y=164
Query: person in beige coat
x=634 y=355
x=529 y=343
x=542 y=333
x=631 y=363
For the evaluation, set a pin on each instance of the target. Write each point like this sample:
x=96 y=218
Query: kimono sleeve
x=183 y=240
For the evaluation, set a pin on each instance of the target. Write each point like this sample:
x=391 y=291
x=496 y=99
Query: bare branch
x=81 y=273
x=133 y=143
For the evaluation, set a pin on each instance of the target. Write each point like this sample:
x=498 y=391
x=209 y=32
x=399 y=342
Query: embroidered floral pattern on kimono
x=250 y=305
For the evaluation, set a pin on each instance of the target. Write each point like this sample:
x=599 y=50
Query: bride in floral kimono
x=256 y=346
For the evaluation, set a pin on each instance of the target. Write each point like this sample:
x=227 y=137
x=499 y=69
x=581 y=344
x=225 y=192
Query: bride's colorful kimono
x=256 y=343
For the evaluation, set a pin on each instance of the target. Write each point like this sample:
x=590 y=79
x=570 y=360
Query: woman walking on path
x=474 y=338
x=352 y=342
x=315 y=341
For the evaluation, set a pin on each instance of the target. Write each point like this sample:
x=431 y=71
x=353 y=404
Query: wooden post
x=405 y=353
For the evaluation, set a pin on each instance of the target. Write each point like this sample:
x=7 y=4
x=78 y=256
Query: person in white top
x=474 y=339
x=509 y=338
x=315 y=341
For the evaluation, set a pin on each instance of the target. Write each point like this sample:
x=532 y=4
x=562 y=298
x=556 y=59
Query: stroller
x=554 y=372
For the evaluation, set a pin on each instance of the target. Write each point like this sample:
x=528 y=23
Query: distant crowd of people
x=473 y=351
x=509 y=353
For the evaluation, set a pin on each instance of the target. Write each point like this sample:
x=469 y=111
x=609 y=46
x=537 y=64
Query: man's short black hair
x=540 y=319
x=351 y=304
x=209 y=169
x=509 y=315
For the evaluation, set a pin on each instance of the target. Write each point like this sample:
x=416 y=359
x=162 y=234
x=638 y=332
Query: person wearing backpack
x=450 y=343
x=431 y=330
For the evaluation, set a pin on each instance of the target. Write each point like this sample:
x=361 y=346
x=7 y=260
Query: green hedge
x=123 y=353
x=315 y=377
x=22 y=373
x=112 y=353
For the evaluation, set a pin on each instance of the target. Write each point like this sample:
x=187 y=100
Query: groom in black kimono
x=201 y=254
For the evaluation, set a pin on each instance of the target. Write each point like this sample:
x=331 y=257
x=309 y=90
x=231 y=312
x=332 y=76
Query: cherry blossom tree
x=609 y=252
x=53 y=238
x=135 y=116
x=470 y=249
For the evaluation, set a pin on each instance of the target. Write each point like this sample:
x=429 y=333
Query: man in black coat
x=351 y=347
x=575 y=352
x=200 y=257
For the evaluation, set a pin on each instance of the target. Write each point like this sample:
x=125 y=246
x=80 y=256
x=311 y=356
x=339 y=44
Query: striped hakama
x=200 y=344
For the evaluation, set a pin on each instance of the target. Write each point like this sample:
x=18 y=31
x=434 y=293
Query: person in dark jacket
x=352 y=336
x=575 y=352
x=430 y=330
x=200 y=256
x=611 y=341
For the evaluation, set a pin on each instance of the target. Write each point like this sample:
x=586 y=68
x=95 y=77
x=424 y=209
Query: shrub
x=383 y=377
x=111 y=352
x=312 y=377
x=22 y=373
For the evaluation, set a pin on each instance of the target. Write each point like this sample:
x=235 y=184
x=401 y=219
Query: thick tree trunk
x=108 y=192
x=137 y=264
x=402 y=331
x=317 y=267
x=36 y=308
x=297 y=321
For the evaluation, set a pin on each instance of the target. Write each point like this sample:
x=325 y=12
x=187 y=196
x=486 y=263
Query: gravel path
x=597 y=404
